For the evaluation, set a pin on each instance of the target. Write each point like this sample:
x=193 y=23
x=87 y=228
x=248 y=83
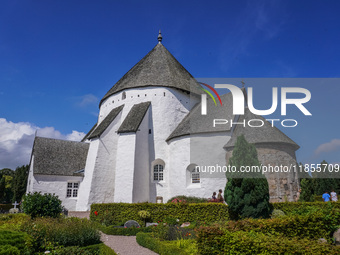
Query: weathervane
x=160 y=37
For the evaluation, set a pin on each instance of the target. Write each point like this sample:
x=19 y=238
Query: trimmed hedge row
x=119 y=213
x=289 y=207
x=12 y=241
x=313 y=226
x=213 y=240
x=111 y=230
x=160 y=247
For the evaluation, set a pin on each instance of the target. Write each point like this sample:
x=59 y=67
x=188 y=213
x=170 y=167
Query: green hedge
x=13 y=238
x=213 y=240
x=289 y=207
x=313 y=226
x=119 y=213
x=111 y=230
x=160 y=247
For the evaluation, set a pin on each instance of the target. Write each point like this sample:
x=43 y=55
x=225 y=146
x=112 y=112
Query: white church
x=141 y=148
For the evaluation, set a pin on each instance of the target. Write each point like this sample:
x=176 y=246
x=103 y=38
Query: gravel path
x=122 y=245
x=125 y=245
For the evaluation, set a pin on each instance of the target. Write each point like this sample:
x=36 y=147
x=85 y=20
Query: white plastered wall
x=56 y=184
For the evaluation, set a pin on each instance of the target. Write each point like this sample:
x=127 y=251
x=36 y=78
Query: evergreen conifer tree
x=247 y=196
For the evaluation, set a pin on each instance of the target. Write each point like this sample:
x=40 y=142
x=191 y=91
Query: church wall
x=57 y=185
x=141 y=178
x=103 y=178
x=189 y=152
x=86 y=188
x=168 y=108
x=125 y=165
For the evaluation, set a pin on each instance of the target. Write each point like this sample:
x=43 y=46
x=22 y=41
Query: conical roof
x=259 y=135
x=158 y=68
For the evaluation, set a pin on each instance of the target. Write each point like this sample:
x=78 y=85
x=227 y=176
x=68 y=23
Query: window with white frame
x=72 y=189
x=158 y=172
x=195 y=175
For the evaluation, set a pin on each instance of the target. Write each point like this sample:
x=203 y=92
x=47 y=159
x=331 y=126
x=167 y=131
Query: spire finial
x=243 y=83
x=160 y=37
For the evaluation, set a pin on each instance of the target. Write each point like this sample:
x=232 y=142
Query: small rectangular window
x=72 y=189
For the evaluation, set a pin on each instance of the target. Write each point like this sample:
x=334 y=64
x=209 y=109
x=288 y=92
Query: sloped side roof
x=59 y=157
x=195 y=122
x=89 y=133
x=158 y=68
x=134 y=118
x=259 y=135
x=106 y=122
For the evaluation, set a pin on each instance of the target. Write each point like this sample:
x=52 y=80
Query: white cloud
x=333 y=145
x=16 y=141
x=86 y=100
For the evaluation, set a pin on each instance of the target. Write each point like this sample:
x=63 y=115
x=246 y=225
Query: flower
x=96 y=213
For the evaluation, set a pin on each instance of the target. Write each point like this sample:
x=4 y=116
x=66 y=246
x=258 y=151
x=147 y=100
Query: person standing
x=219 y=196
x=326 y=197
x=334 y=196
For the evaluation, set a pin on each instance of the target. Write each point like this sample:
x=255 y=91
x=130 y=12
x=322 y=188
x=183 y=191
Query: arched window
x=158 y=172
x=195 y=176
x=123 y=95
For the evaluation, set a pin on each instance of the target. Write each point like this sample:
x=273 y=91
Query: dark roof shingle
x=106 y=122
x=134 y=118
x=259 y=135
x=158 y=68
x=59 y=157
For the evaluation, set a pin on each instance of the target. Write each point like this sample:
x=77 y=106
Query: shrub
x=38 y=205
x=117 y=213
x=188 y=199
x=277 y=213
x=15 y=239
x=212 y=240
x=13 y=221
x=95 y=249
x=111 y=230
x=65 y=232
x=9 y=250
x=154 y=244
x=291 y=208
x=246 y=197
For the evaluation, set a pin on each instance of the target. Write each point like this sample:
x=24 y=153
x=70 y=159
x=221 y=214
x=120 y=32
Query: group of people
x=219 y=197
x=330 y=197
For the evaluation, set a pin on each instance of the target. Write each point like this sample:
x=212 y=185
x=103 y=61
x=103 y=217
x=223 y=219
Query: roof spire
x=160 y=37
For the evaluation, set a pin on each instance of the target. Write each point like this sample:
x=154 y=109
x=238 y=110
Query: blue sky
x=59 y=58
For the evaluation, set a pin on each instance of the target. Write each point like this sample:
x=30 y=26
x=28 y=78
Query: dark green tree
x=247 y=196
x=20 y=182
x=307 y=190
x=6 y=180
x=322 y=184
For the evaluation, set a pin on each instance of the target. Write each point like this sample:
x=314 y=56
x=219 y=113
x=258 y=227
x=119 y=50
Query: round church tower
x=274 y=149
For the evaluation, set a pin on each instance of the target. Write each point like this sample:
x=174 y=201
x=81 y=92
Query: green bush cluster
x=213 y=240
x=118 y=213
x=41 y=205
x=300 y=207
x=12 y=242
x=95 y=249
x=188 y=199
x=160 y=247
x=313 y=226
x=64 y=232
